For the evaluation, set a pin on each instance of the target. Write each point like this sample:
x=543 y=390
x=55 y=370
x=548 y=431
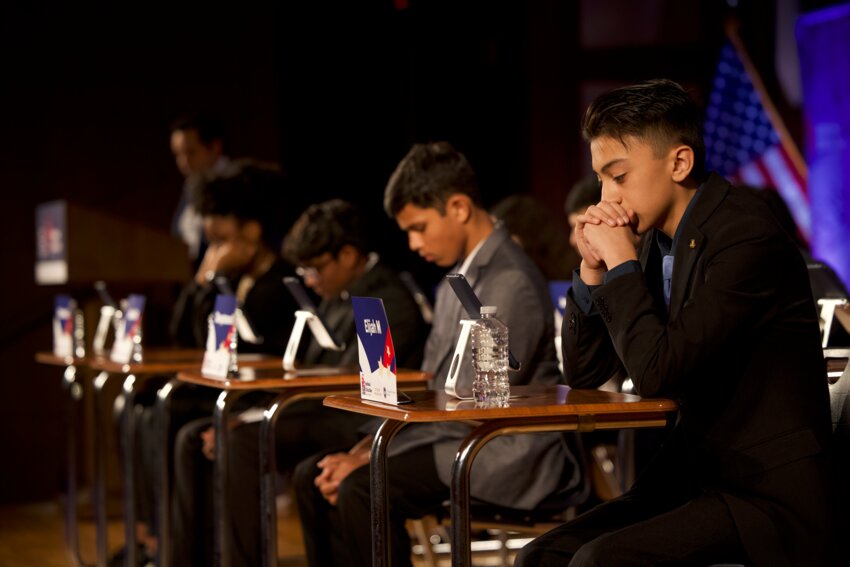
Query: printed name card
x=375 y=350
x=51 y=266
x=220 y=335
x=129 y=333
x=63 y=326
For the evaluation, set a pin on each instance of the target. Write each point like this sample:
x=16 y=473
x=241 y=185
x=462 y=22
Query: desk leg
x=268 y=469
x=128 y=448
x=72 y=526
x=163 y=409
x=380 y=497
x=626 y=458
x=100 y=469
x=469 y=448
x=221 y=417
x=466 y=453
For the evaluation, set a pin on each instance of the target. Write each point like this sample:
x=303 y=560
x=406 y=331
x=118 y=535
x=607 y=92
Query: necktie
x=667 y=276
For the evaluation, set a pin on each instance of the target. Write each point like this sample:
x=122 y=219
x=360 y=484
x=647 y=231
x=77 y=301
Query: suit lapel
x=449 y=311
x=478 y=266
x=687 y=251
x=692 y=240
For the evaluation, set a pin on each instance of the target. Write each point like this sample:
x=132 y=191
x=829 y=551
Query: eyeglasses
x=315 y=270
x=306 y=272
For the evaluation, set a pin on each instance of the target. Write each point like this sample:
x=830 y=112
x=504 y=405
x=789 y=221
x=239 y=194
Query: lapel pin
x=692 y=244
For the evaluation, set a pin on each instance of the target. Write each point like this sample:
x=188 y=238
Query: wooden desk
x=538 y=409
x=155 y=362
x=291 y=388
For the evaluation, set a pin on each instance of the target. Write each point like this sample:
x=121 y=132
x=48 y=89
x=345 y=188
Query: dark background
x=334 y=91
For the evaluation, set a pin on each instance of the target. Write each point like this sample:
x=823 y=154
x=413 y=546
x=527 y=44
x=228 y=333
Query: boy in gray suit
x=434 y=198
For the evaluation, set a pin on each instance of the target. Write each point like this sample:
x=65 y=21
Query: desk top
x=265 y=379
x=51 y=359
x=158 y=360
x=532 y=401
x=153 y=355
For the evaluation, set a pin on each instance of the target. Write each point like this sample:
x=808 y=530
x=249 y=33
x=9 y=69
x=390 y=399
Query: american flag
x=743 y=145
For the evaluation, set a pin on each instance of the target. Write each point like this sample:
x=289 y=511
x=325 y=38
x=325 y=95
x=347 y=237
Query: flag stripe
x=798 y=177
x=751 y=175
x=788 y=187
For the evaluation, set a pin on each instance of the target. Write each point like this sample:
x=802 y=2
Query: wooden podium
x=76 y=245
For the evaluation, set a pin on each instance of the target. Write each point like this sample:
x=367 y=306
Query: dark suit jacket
x=405 y=319
x=509 y=470
x=268 y=306
x=740 y=352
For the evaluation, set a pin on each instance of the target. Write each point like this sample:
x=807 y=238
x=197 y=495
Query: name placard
x=375 y=351
x=129 y=333
x=63 y=326
x=220 y=334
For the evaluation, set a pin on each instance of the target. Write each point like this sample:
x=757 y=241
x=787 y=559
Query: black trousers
x=342 y=534
x=188 y=404
x=302 y=430
x=192 y=508
x=627 y=532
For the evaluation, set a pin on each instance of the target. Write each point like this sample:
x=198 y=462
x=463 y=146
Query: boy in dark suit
x=715 y=311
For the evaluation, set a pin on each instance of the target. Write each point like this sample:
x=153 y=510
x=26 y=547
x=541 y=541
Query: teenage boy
x=433 y=196
x=239 y=208
x=715 y=311
x=329 y=243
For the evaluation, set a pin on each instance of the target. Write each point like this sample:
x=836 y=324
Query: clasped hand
x=224 y=257
x=606 y=238
x=335 y=468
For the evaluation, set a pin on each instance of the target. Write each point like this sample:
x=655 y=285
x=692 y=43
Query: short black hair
x=208 y=127
x=325 y=227
x=427 y=176
x=248 y=190
x=587 y=191
x=658 y=112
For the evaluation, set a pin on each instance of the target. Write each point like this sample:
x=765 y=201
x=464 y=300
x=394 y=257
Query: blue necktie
x=667 y=276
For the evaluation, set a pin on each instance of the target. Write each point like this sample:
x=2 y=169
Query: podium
x=76 y=245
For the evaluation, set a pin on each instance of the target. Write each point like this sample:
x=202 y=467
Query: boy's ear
x=459 y=207
x=683 y=162
x=252 y=231
x=348 y=256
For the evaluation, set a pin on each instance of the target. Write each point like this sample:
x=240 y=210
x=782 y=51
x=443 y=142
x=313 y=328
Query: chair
x=500 y=521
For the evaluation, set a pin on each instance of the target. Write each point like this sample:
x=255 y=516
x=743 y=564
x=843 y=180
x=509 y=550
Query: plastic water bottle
x=79 y=334
x=232 y=348
x=490 y=387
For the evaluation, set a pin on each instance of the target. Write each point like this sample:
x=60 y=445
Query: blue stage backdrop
x=823 y=38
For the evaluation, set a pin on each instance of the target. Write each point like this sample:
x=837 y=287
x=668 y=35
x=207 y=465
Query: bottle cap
x=489 y=309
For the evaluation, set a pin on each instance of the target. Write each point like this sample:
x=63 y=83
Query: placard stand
x=827 y=315
x=457 y=359
x=107 y=317
x=303 y=318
